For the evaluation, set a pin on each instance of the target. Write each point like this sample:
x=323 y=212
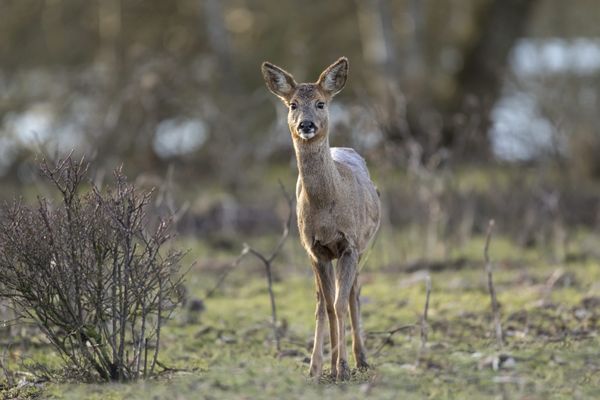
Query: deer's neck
x=317 y=170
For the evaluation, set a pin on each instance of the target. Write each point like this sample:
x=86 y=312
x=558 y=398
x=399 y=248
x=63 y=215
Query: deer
x=338 y=211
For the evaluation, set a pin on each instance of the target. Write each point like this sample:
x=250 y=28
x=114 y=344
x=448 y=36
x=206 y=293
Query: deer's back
x=351 y=159
x=366 y=197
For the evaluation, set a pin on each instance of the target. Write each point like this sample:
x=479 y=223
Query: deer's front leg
x=345 y=275
x=325 y=282
x=316 y=359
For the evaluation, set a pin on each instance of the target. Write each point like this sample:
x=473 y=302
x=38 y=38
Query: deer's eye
x=293 y=106
x=320 y=105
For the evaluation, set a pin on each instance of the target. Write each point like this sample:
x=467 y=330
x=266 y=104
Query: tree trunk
x=479 y=83
x=219 y=42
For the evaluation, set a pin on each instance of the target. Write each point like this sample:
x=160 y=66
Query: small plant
x=90 y=273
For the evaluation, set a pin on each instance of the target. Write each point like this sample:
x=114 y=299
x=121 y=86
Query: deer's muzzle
x=306 y=129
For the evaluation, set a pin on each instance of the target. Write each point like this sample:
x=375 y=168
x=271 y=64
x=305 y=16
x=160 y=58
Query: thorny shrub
x=90 y=273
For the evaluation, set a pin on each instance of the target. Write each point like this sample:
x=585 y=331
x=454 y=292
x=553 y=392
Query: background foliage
x=465 y=110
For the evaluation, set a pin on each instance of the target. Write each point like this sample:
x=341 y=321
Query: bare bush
x=90 y=274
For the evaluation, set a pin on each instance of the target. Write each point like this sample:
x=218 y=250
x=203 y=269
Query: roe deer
x=338 y=209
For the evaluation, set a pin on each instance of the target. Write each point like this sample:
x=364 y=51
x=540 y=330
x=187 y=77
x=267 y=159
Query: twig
x=267 y=264
x=246 y=249
x=224 y=275
x=550 y=283
x=389 y=334
x=288 y=223
x=391 y=331
x=167 y=369
x=8 y=375
x=492 y=290
x=267 y=261
x=424 y=326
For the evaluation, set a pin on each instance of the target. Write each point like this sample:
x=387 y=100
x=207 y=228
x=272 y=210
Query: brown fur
x=338 y=210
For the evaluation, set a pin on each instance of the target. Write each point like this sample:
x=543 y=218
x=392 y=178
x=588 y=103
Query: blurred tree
x=219 y=42
x=448 y=106
x=479 y=82
x=110 y=72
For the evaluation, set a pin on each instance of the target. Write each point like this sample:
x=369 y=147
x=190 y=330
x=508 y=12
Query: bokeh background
x=464 y=109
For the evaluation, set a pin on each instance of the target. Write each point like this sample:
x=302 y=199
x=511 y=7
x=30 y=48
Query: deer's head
x=308 y=103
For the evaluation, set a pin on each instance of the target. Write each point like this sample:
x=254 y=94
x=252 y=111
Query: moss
x=229 y=353
x=23 y=392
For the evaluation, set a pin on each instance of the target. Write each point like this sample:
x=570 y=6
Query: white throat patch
x=306 y=136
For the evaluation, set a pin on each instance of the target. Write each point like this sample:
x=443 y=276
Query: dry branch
x=268 y=261
x=8 y=375
x=550 y=283
x=492 y=290
x=226 y=273
x=390 y=333
x=424 y=326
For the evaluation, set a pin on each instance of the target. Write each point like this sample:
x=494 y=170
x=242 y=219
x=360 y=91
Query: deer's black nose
x=307 y=126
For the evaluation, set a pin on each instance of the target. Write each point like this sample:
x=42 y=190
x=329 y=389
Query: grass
x=227 y=351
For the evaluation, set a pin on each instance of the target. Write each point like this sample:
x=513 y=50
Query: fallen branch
x=167 y=370
x=391 y=331
x=492 y=290
x=390 y=334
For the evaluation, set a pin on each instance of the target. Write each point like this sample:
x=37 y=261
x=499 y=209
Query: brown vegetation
x=90 y=274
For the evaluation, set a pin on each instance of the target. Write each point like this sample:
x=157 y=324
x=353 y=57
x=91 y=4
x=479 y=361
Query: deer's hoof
x=361 y=363
x=343 y=371
x=315 y=371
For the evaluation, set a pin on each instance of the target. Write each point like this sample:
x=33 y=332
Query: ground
x=549 y=314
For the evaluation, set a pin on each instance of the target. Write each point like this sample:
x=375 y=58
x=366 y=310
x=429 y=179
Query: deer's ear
x=333 y=79
x=279 y=81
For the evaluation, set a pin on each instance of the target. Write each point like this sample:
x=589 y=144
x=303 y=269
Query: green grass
x=551 y=347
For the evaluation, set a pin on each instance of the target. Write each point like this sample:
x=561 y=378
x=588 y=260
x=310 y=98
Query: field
x=549 y=315
x=143 y=153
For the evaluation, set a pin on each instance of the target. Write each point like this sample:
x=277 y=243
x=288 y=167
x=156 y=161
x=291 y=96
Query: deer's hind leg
x=325 y=295
x=345 y=277
x=358 y=347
